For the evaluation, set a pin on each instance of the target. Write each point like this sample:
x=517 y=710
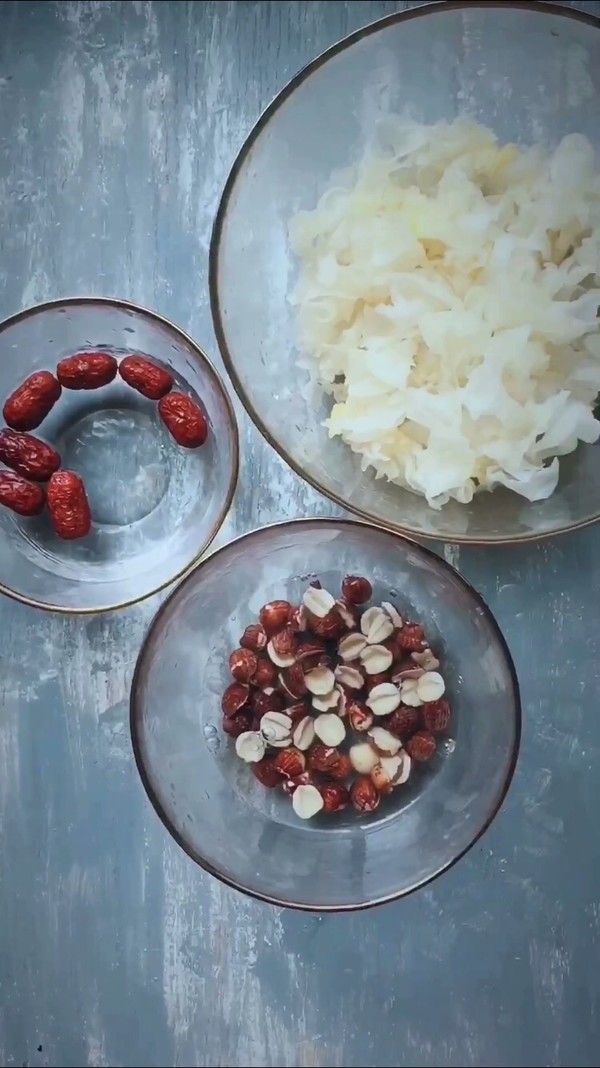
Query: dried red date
x=329 y=761
x=403 y=722
x=421 y=746
x=330 y=627
x=29 y=405
x=266 y=772
x=147 y=377
x=86 y=370
x=234 y=699
x=263 y=702
x=356 y=589
x=242 y=664
x=363 y=795
x=237 y=724
x=68 y=506
x=285 y=643
x=274 y=615
x=254 y=638
x=28 y=456
x=290 y=762
x=342 y=768
x=19 y=495
x=184 y=420
x=309 y=652
x=265 y=674
x=411 y=637
x=436 y=716
x=335 y=796
x=293 y=682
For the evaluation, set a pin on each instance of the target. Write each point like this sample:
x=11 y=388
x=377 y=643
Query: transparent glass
x=155 y=506
x=532 y=73
x=249 y=836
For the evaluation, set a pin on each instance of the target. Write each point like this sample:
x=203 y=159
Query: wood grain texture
x=118 y=123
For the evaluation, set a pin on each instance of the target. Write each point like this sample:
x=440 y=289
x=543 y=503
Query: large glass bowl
x=249 y=836
x=155 y=506
x=532 y=73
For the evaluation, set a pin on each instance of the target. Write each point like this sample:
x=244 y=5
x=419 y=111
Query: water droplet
x=213 y=738
x=448 y=745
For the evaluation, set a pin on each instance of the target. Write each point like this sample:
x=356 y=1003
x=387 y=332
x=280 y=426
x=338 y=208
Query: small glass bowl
x=155 y=506
x=529 y=71
x=249 y=836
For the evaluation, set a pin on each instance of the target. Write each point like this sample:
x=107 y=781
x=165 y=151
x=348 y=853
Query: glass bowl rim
x=537 y=7
x=203 y=359
x=135 y=717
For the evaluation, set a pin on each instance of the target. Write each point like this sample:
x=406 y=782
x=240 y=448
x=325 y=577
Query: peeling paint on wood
x=118 y=123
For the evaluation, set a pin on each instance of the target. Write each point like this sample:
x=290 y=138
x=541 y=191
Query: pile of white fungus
x=447 y=299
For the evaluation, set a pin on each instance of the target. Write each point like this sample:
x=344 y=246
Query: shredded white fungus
x=447 y=299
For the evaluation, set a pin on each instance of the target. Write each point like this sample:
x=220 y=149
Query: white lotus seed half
x=250 y=746
x=318 y=602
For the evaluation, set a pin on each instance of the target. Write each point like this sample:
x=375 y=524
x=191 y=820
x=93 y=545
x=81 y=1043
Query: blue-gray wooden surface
x=118 y=122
